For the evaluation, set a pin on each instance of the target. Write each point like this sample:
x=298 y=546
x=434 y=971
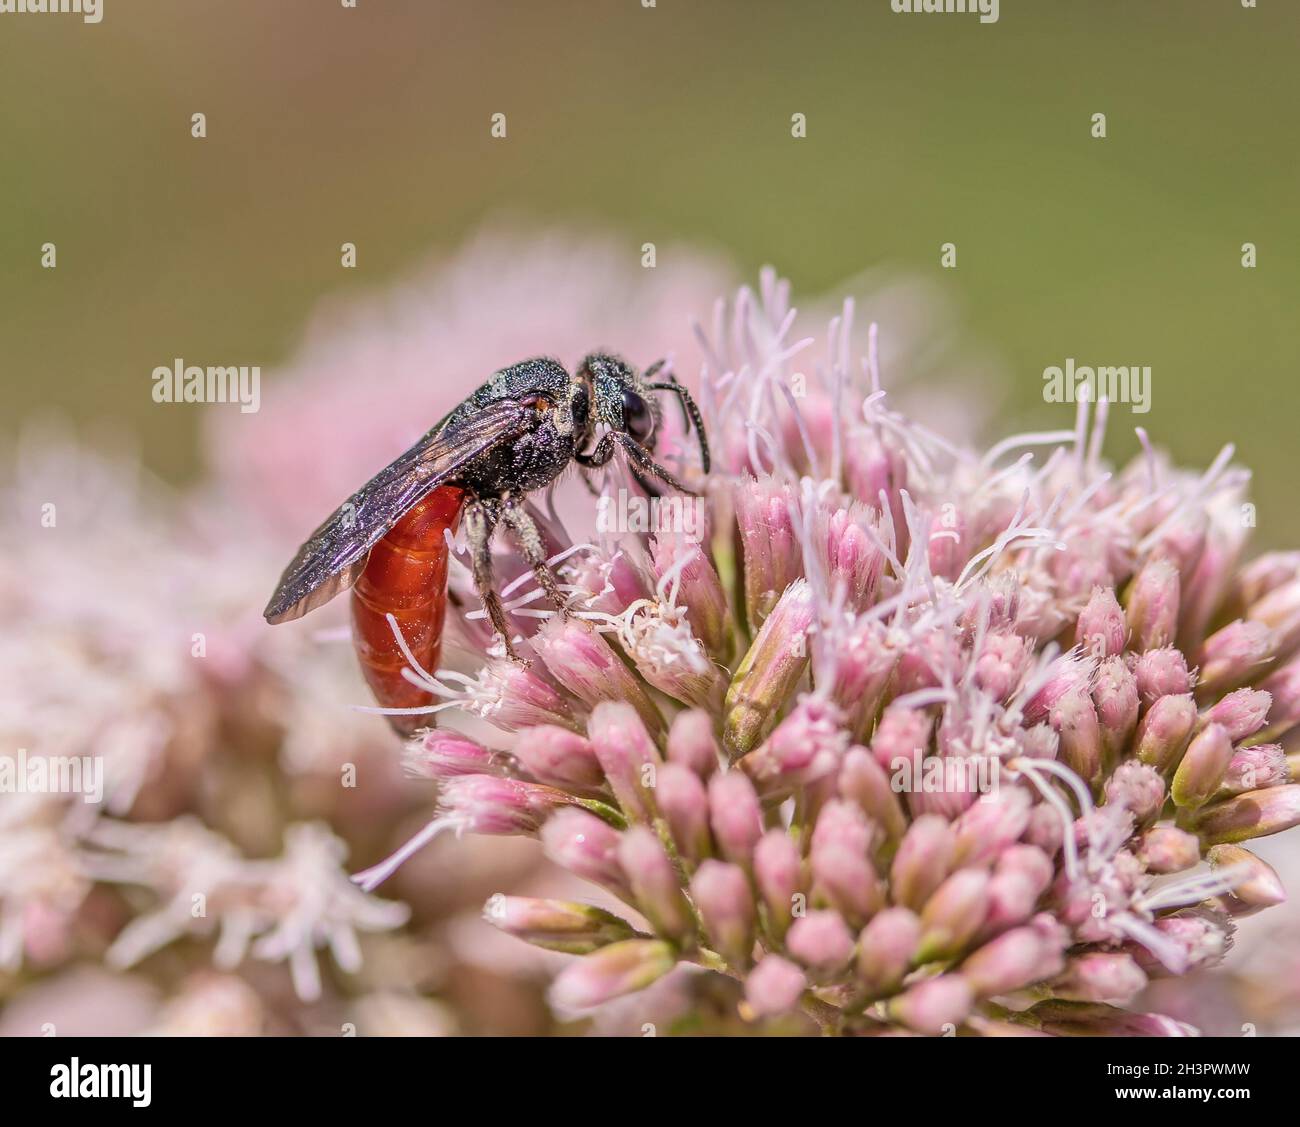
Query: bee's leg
x=480 y=522
x=646 y=464
x=601 y=455
x=651 y=490
x=690 y=411
x=524 y=529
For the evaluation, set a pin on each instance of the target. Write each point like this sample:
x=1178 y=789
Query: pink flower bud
x=587 y=847
x=934 y=1006
x=1115 y=695
x=1231 y=654
x=846 y=880
x=657 y=638
x=444 y=754
x=774 y=987
x=1153 y=601
x=654 y=883
x=769 y=542
x=1284 y=687
x=556 y=925
x=850 y=556
x=1260 y=887
x=809 y=744
x=859 y=663
x=769 y=673
x=1241 y=713
x=721 y=893
x=515 y=699
x=874 y=467
x=885 y=950
x=901 y=734
x=1203 y=593
x=778 y=872
x=1101 y=976
x=1138 y=788
x=1164 y=849
x=611 y=972
x=924 y=859
x=863 y=781
x=609 y=579
x=1001 y=665
x=1163 y=732
x=682 y=801
x=1074 y=719
x=691 y=742
x=560 y=758
x=1162 y=673
x=947 y=549
x=1263 y=575
x=1276 y=608
x=1068 y=676
x=1256 y=813
x=698 y=589
x=1102 y=629
x=736 y=817
x=926 y=653
x=1045 y=829
x=1023 y=873
x=1202 y=767
x=841 y=823
x=1199 y=938
x=988 y=827
x=582 y=661
x=1255 y=768
x=627 y=755
x=821 y=941
x=953 y=915
x=1014 y=960
x=485 y=804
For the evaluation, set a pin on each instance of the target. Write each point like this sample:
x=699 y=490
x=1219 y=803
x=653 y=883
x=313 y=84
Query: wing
x=336 y=553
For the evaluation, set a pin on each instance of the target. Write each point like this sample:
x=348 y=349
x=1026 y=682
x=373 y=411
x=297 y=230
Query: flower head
x=993 y=726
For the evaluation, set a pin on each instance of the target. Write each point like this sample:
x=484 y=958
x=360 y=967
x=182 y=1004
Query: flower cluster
x=184 y=791
x=914 y=739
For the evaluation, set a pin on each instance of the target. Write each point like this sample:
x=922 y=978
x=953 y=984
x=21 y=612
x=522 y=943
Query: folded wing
x=335 y=554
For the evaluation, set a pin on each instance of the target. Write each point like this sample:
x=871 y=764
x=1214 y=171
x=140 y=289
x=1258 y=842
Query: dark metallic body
x=516 y=433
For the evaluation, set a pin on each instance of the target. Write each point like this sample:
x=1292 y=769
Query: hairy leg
x=601 y=455
x=690 y=410
x=524 y=529
x=646 y=464
x=480 y=522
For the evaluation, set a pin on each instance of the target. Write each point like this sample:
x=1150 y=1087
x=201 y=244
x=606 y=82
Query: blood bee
x=388 y=542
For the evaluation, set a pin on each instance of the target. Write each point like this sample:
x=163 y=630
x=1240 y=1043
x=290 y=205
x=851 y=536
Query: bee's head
x=617 y=397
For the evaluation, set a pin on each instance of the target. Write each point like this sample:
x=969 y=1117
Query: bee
x=517 y=433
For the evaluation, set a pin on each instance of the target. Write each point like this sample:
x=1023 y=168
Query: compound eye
x=637 y=419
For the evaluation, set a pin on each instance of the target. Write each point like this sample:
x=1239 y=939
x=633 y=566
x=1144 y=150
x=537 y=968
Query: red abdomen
x=406 y=576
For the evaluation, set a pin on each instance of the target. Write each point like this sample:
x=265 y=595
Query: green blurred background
x=328 y=124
